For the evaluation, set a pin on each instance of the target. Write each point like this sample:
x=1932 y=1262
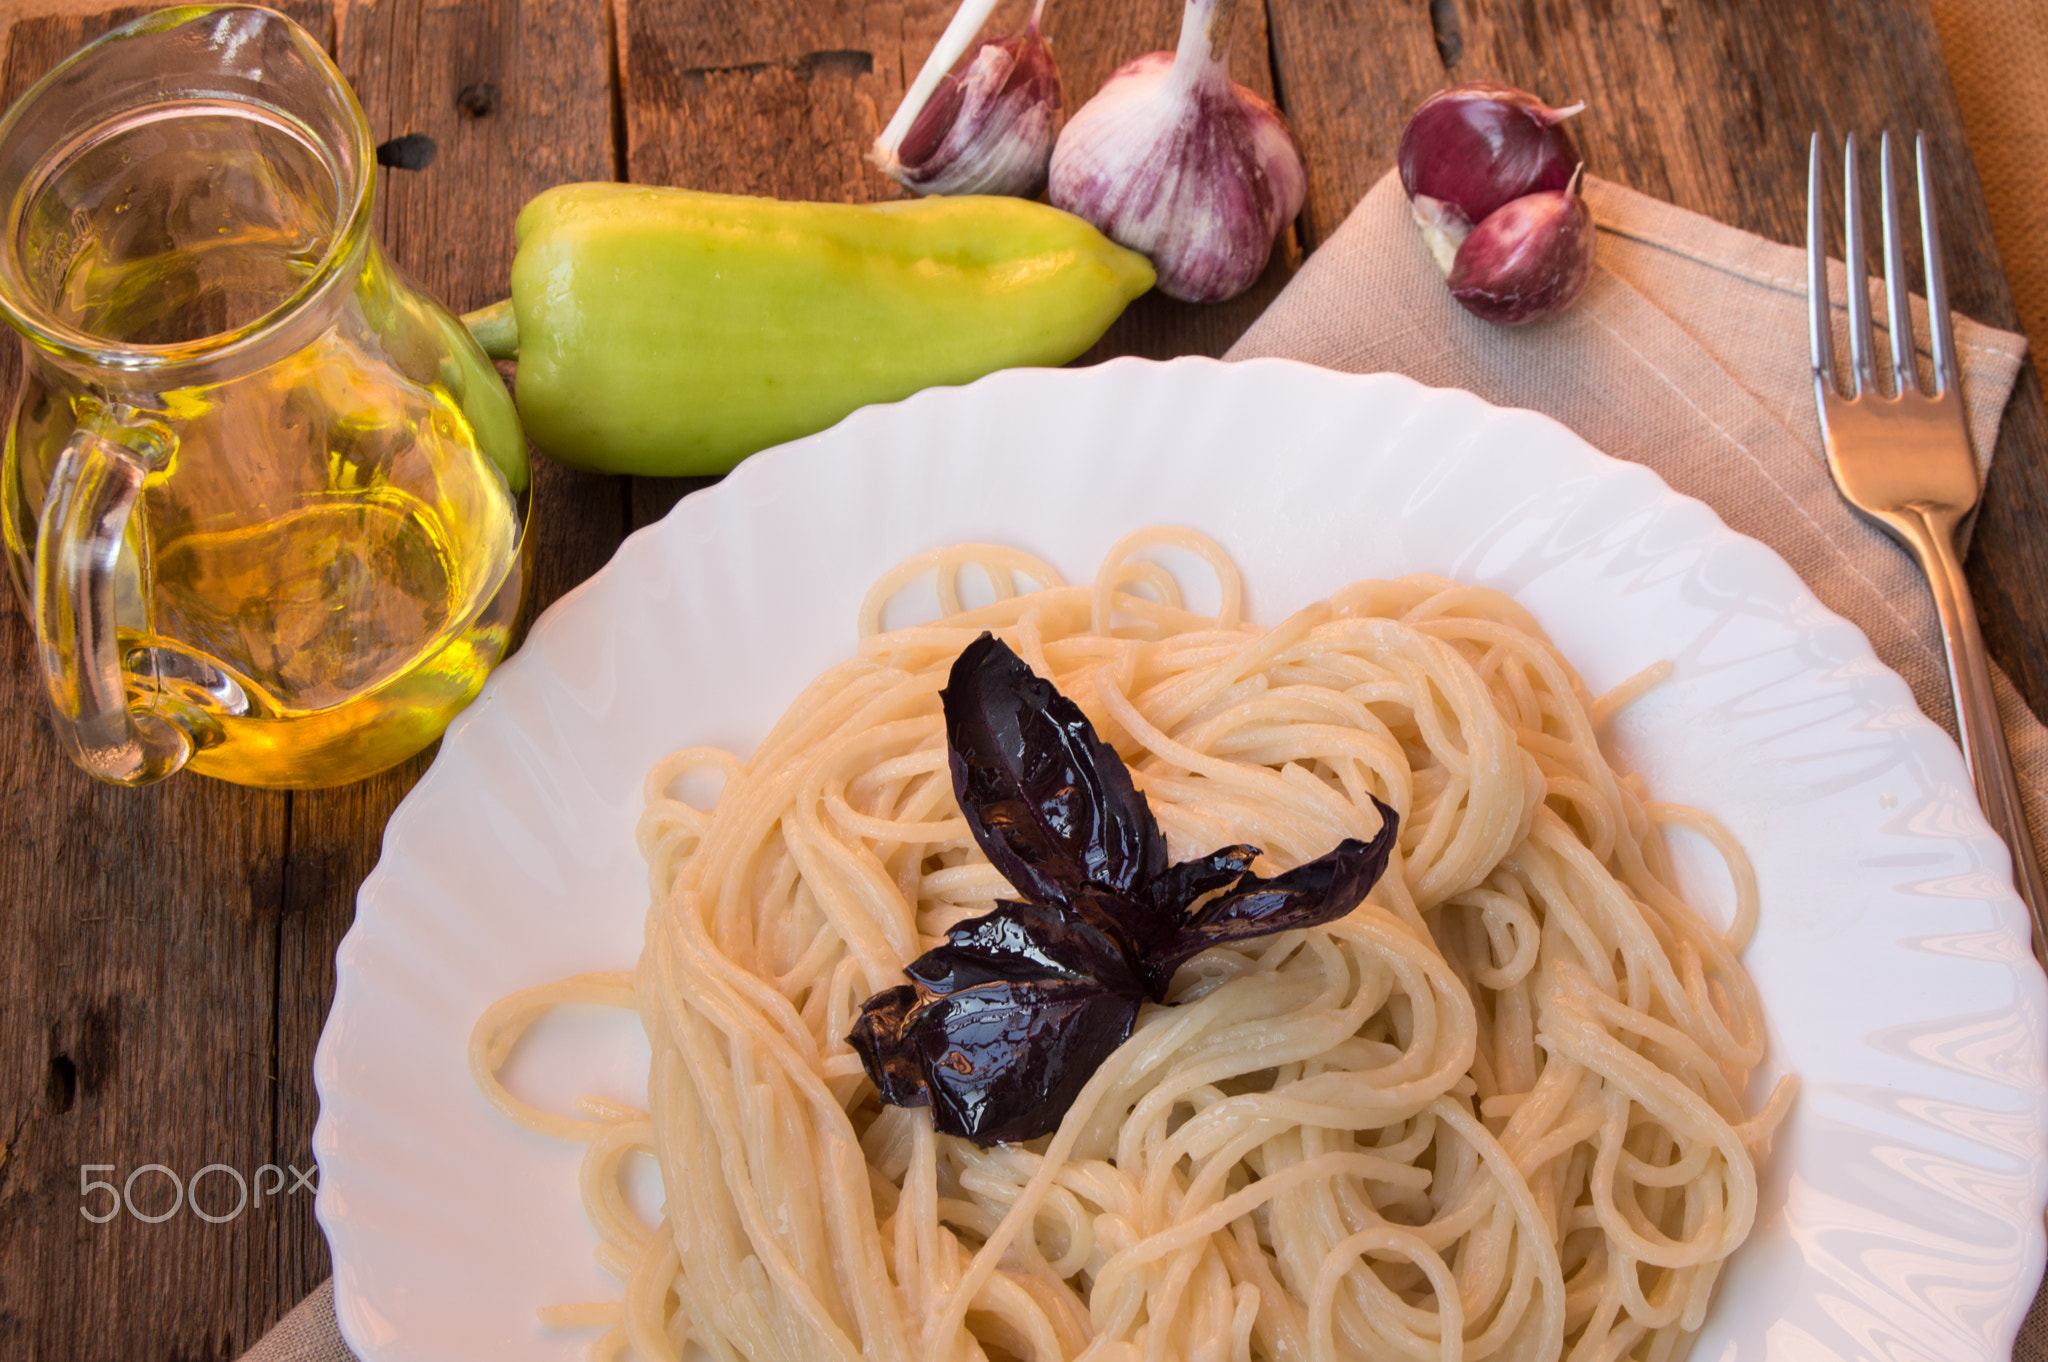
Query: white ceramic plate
x=1902 y=1205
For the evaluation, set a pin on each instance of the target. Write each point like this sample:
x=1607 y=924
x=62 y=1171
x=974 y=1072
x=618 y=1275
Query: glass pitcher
x=263 y=500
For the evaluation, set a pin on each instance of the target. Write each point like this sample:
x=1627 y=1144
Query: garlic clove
x=984 y=126
x=1444 y=228
x=1476 y=147
x=1174 y=160
x=1528 y=258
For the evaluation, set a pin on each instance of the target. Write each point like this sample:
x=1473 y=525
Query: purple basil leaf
x=878 y=1037
x=1049 y=803
x=1149 y=922
x=1309 y=895
x=1004 y=1061
x=1022 y=943
x=1172 y=892
x=1004 y=1024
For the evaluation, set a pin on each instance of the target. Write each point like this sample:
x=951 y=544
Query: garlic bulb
x=1175 y=161
x=985 y=127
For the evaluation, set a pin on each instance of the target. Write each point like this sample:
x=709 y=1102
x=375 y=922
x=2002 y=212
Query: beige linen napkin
x=1686 y=354
x=308 y=1334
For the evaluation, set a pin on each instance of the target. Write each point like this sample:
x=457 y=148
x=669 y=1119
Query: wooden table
x=166 y=955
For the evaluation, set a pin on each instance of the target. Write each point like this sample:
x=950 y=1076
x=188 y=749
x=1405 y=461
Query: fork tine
x=1905 y=378
x=1818 y=323
x=1940 y=325
x=1861 y=361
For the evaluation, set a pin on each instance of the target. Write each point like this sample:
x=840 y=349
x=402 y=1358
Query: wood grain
x=1348 y=100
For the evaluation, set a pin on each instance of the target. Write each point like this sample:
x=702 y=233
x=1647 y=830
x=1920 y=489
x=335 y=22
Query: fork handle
x=1933 y=537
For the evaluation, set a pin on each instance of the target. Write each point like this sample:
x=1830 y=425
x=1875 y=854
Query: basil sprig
x=999 y=1029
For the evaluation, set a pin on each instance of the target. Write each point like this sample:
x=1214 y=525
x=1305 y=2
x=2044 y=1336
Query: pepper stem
x=496 y=329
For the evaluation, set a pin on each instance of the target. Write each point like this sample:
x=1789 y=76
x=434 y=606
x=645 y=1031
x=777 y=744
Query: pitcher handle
x=85 y=514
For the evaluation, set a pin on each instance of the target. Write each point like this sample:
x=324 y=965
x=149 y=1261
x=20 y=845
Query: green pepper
x=666 y=332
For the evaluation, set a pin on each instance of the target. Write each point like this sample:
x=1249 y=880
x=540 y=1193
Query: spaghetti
x=1495 y=1112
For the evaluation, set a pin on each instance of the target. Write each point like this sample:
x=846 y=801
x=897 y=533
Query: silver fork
x=1904 y=462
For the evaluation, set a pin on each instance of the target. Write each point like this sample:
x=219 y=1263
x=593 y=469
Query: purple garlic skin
x=1527 y=259
x=988 y=127
x=1472 y=148
x=1177 y=162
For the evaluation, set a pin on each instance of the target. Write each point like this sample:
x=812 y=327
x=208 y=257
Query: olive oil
x=359 y=628
x=328 y=563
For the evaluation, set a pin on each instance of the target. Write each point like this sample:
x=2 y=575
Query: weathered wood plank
x=139 y=948
x=1350 y=72
x=740 y=98
x=654 y=498
x=2008 y=562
